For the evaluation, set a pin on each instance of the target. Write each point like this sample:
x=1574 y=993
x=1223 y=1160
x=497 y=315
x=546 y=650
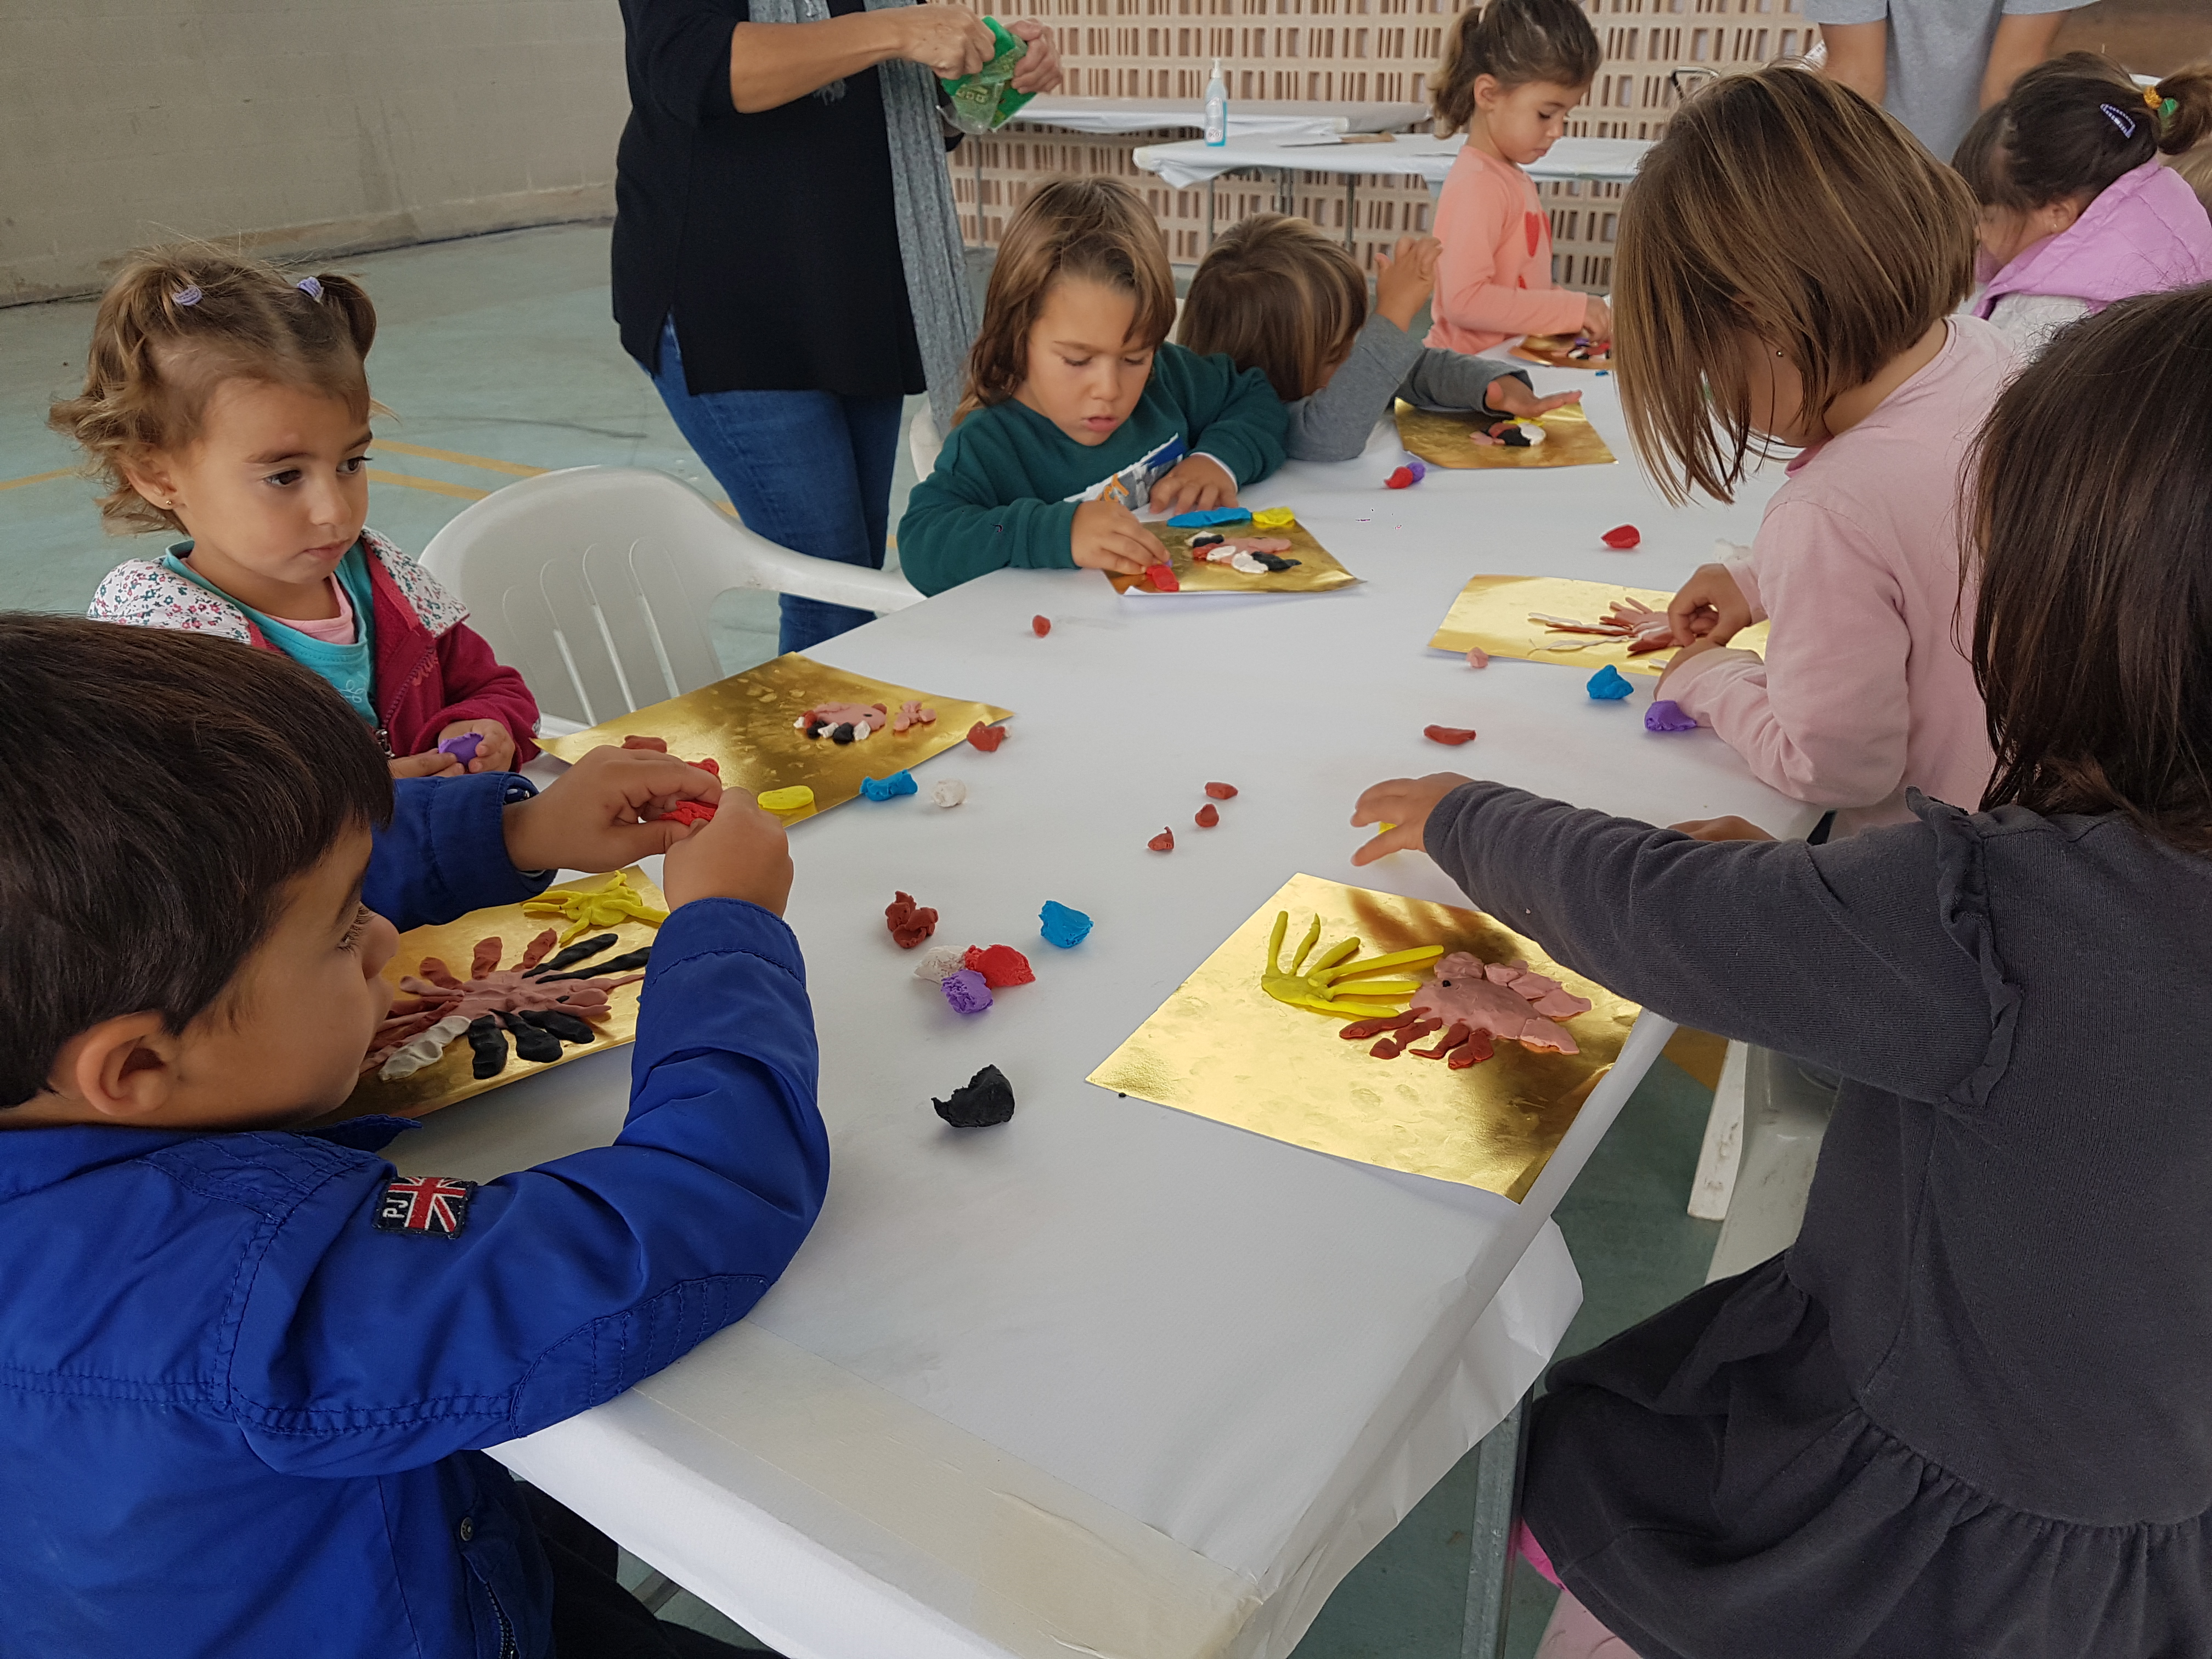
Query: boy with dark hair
x=244 y=1389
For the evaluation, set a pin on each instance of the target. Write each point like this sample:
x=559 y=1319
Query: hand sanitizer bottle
x=1217 y=108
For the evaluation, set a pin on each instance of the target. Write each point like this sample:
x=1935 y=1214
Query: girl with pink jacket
x=2076 y=209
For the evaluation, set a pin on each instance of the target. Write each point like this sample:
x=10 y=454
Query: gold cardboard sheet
x=1444 y=439
x=450 y=1079
x=745 y=723
x=1492 y=612
x=1221 y=1048
x=1316 y=572
x=1551 y=350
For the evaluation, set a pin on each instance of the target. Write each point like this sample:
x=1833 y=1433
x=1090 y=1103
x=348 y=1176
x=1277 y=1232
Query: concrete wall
x=306 y=126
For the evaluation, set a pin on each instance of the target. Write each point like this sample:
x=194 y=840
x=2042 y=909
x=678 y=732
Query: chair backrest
x=595 y=582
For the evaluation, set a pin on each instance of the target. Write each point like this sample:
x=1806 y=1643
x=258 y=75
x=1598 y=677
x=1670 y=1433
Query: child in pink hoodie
x=2077 y=211
x=1514 y=69
x=1805 y=304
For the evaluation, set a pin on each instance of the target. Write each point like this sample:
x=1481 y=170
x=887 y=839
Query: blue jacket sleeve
x=444 y=853
x=360 y=1351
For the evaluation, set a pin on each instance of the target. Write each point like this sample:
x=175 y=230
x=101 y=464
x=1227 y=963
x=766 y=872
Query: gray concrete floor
x=499 y=352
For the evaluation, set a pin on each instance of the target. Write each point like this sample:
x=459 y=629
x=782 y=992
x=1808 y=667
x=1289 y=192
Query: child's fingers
x=1382 y=803
x=1557 y=400
x=1399 y=838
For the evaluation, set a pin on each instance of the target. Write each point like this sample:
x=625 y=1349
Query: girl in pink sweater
x=1806 y=303
x=1512 y=72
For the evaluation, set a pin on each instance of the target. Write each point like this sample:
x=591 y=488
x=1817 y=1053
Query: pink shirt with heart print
x=1494 y=280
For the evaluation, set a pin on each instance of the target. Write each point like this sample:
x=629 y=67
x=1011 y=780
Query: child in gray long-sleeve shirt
x=1276 y=294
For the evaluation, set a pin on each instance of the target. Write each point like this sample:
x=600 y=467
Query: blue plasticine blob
x=1665 y=716
x=899 y=783
x=1213 y=515
x=1609 y=685
x=1062 y=926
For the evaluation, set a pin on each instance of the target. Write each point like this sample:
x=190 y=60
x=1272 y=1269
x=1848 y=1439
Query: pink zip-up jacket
x=1494 y=277
x=2145 y=233
x=1865 y=687
x=432 y=669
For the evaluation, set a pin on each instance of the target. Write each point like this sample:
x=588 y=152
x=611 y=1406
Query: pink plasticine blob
x=1503 y=999
x=911 y=714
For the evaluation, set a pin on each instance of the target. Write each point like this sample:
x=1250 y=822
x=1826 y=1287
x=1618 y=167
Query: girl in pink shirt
x=1512 y=72
x=1804 y=304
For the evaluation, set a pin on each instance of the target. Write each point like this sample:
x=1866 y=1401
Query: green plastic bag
x=986 y=101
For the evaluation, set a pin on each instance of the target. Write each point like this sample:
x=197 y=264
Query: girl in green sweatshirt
x=1079 y=413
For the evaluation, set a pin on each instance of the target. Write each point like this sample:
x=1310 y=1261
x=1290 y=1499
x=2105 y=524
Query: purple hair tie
x=310 y=287
x=187 y=297
x=2121 y=119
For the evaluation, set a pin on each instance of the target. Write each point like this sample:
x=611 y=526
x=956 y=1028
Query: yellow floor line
x=459 y=460
x=39 y=478
x=435 y=486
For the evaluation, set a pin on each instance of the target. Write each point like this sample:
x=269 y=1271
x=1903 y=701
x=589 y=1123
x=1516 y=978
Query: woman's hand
x=1403 y=804
x=1597 y=318
x=950 y=40
x=1039 y=69
x=1405 y=278
x=1710 y=607
x=1509 y=394
x=1107 y=536
x=1194 y=485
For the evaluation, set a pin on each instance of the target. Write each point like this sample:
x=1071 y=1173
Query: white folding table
x=1246 y=116
x=1113 y=1380
x=1419 y=155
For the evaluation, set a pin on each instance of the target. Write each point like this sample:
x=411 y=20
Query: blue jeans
x=811 y=471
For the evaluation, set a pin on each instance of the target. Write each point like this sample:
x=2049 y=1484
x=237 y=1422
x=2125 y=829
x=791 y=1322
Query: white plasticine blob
x=948 y=792
x=939 y=962
x=1535 y=435
x=424 y=1050
x=1247 y=565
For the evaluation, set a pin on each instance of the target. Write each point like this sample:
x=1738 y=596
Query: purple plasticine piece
x=1665 y=716
x=967 y=992
x=463 y=747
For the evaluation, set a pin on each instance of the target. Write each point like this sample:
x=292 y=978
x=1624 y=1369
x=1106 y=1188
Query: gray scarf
x=937 y=291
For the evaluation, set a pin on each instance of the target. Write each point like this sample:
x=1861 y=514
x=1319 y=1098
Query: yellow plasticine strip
x=1274 y=518
x=797 y=799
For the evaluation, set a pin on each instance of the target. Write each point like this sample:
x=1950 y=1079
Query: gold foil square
x=1446 y=439
x=1491 y=614
x=745 y=723
x=1316 y=573
x=1221 y=1048
x=450 y=1078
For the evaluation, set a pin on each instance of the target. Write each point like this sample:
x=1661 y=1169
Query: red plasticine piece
x=1208 y=815
x=1163 y=579
x=987 y=738
x=1163 y=842
x=1453 y=735
x=1222 y=790
x=909 y=922
x=1040 y=626
x=1624 y=537
x=1376 y=1026
x=658 y=745
x=684 y=812
x=1001 y=965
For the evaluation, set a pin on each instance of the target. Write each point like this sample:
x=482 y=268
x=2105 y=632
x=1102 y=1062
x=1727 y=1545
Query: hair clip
x=2165 y=109
x=187 y=297
x=313 y=289
x=2121 y=119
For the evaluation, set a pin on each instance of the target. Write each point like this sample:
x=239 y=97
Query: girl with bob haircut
x=1806 y=302
x=1079 y=411
x=2077 y=209
x=1511 y=72
x=1278 y=294
x=1966 y=1413
x=227 y=400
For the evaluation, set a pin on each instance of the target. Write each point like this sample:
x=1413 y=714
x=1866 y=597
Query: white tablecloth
x=1246 y=117
x=1194 y=161
x=1114 y=1380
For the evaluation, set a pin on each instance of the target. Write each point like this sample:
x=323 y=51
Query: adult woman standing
x=787 y=261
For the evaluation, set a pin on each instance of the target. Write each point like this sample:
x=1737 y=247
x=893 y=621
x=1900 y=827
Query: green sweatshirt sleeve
x=972 y=514
x=1235 y=417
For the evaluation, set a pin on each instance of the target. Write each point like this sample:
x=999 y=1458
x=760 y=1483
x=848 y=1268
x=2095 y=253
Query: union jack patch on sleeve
x=431 y=1206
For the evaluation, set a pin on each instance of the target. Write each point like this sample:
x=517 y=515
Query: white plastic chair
x=595 y=583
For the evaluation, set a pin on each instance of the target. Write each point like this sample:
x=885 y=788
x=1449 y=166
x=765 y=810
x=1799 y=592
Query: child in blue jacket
x=245 y=1369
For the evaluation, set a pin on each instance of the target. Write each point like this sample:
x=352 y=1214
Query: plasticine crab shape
x=617 y=901
x=1323 y=988
x=844 y=722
